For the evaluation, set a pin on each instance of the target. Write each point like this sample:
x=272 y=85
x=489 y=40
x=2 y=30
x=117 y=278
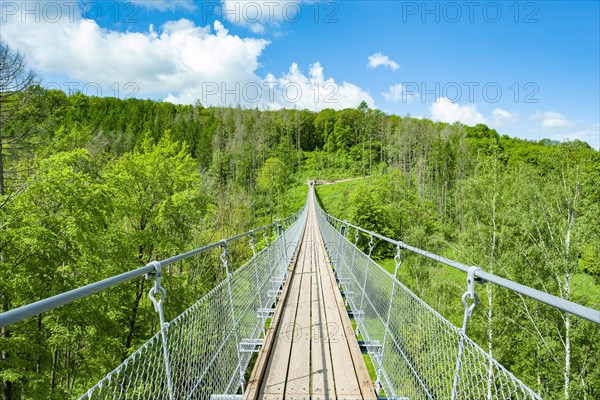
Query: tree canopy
x=113 y=184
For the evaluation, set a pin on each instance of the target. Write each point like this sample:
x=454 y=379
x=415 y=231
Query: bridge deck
x=310 y=350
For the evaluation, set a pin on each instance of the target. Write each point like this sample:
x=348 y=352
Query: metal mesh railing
x=202 y=352
x=206 y=350
x=416 y=352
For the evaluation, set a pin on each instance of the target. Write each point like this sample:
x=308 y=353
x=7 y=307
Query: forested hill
x=232 y=143
x=97 y=186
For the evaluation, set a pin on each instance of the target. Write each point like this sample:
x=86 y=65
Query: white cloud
x=165 y=5
x=585 y=132
x=316 y=92
x=589 y=134
x=552 y=120
x=398 y=92
x=180 y=62
x=503 y=115
x=257 y=15
x=503 y=118
x=444 y=110
x=379 y=59
x=181 y=54
x=556 y=126
x=293 y=89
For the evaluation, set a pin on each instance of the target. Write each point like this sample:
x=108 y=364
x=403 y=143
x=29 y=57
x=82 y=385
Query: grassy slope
x=295 y=198
x=335 y=197
x=335 y=200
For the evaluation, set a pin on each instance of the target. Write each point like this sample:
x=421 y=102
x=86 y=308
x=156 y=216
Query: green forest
x=92 y=187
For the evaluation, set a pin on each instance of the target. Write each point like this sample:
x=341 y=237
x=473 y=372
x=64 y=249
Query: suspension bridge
x=296 y=319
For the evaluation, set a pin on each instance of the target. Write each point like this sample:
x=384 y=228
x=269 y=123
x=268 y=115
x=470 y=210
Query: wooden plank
x=322 y=383
x=253 y=387
x=273 y=385
x=346 y=383
x=298 y=378
x=362 y=374
x=310 y=351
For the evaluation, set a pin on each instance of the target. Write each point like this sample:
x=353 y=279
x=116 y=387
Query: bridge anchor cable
x=225 y=262
x=469 y=294
x=363 y=288
x=158 y=307
x=398 y=260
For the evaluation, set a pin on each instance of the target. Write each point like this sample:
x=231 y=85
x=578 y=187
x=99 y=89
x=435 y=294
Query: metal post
x=286 y=263
x=158 y=307
x=351 y=266
x=252 y=244
x=346 y=234
x=398 y=259
x=339 y=248
x=364 y=285
x=270 y=266
x=470 y=293
x=225 y=261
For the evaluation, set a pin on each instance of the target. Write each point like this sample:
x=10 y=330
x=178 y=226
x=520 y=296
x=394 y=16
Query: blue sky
x=527 y=69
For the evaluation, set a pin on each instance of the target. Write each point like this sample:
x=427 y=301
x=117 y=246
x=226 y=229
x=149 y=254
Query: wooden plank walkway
x=310 y=350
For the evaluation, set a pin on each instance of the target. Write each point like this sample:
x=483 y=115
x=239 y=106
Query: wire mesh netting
x=420 y=355
x=200 y=353
x=416 y=352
